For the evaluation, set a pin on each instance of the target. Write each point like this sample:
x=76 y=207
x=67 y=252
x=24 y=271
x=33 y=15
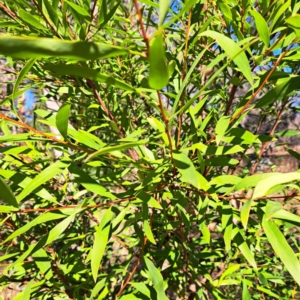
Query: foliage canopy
x=144 y=183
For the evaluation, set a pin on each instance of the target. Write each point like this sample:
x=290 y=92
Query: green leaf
x=100 y=242
x=27 y=291
x=84 y=137
x=272 y=208
x=85 y=72
x=21 y=75
x=156 y=278
x=38 y=220
x=142 y=288
x=43 y=263
x=229 y=271
x=281 y=91
x=7 y=209
x=221 y=127
x=57 y=230
x=163 y=10
x=287 y=132
x=111 y=149
x=148 y=232
x=233 y=51
x=30 y=19
x=245 y=212
x=62 y=119
x=7 y=195
x=293 y=153
x=186 y=168
x=221 y=160
x=225 y=179
x=264 y=185
x=205 y=232
x=88 y=182
x=282 y=248
x=34 y=47
x=41 y=178
x=51 y=12
x=78 y=8
x=227 y=225
x=158 y=72
x=251 y=181
x=287 y=216
x=243 y=246
x=246 y=295
x=261 y=27
x=293 y=22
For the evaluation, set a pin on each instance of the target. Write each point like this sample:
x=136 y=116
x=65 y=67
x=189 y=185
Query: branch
x=48 y=136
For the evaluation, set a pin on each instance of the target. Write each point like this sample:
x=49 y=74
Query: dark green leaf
x=281 y=91
x=7 y=194
x=62 y=119
x=89 y=73
x=30 y=19
x=33 y=47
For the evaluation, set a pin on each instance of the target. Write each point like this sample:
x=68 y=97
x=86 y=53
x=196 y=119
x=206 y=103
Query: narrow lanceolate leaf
x=34 y=47
x=243 y=246
x=282 y=90
x=262 y=188
x=261 y=27
x=282 y=248
x=245 y=212
x=233 y=51
x=158 y=71
x=148 y=232
x=163 y=10
x=56 y=231
x=7 y=209
x=27 y=291
x=42 y=177
x=30 y=19
x=6 y=194
x=221 y=128
x=21 y=76
x=156 y=278
x=186 y=168
x=85 y=72
x=38 y=220
x=88 y=182
x=62 y=119
x=51 y=12
x=227 y=225
x=43 y=263
x=294 y=23
x=100 y=242
x=245 y=295
x=110 y=149
x=78 y=8
x=264 y=185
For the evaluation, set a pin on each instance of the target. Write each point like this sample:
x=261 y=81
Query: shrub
x=142 y=184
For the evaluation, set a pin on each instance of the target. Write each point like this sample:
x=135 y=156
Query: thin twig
x=263 y=148
x=46 y=20
x=48 y=136
x=183 y=73
x=282 y=55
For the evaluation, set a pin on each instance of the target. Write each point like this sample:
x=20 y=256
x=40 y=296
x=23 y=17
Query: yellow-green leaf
x=158 y=72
